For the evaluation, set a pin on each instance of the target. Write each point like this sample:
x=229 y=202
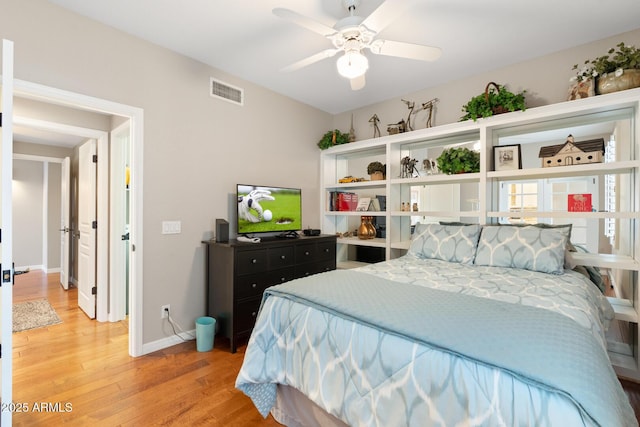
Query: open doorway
x=133 y=116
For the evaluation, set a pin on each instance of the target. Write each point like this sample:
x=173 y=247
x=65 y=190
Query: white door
x=6 y=224
x=119 y=222
x=86 y=218
x=65 y=186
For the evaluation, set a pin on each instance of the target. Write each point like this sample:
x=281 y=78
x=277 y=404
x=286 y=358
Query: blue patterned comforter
x=422 y=356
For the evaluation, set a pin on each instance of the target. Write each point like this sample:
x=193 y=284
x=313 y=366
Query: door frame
x=135 y=115
x=102 y=214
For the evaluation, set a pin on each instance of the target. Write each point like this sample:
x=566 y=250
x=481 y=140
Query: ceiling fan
x=353 y=34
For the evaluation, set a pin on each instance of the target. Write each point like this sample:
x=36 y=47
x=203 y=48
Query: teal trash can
x=205 y=331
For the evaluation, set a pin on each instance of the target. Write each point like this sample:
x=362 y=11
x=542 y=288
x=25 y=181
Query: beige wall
x=196 y=148
x=28 y=178
x=545 y=79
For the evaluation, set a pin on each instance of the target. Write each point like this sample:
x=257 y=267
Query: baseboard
x=29 y=267
x=167 y=342
x=52 y=270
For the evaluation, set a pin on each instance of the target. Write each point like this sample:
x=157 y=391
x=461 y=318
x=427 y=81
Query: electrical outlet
x=165 y=311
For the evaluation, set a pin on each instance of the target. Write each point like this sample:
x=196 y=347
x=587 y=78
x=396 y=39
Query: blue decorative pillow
x=529 y=248
x=454 y=243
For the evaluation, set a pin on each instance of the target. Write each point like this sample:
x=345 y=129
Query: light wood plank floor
x=85 y=363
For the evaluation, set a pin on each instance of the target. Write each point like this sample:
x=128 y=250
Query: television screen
x=268 y=209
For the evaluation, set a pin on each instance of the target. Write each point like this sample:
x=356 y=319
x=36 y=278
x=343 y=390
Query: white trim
x=45 y=214
x=169 y=341
x=35 y=158
x=6 y=223
x=61 y=97
x=30 y=267
x=55 y=127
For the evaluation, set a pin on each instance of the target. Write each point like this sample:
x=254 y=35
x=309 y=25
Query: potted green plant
x=458 y=160
x=333 y=137
x=618 y=70
x=496 y=99
x=377 y=171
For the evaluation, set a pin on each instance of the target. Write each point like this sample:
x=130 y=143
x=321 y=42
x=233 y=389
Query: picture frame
x=507 y=157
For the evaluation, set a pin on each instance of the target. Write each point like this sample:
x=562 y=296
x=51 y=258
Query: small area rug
x=33 y=314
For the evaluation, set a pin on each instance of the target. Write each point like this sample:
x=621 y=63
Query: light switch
x=171 y=227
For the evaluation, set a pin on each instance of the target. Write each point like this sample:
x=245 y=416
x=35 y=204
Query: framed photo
x=507 y=157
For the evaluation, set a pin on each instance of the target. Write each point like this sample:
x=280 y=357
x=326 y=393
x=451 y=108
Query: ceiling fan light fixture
x=352 y=64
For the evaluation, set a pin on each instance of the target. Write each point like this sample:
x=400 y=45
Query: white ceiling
x=245 y=39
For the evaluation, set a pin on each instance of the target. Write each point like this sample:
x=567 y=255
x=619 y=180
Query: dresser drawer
x=250 y=262
x=305 y=270
x=280 y=257
x=306 y=253
x=326 y=251
x=255 y=284
x=245 y=314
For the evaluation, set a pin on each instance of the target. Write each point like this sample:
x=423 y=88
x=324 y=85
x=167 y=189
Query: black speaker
x=222 y=231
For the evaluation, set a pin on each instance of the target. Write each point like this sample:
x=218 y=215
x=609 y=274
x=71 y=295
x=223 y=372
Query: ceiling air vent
x=222 y=90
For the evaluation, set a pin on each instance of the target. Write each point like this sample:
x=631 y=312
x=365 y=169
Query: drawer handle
x=253 y=314
x=254 y=261
x=282 y=257
x=326 y=250
x=306 y=253
x=253 y=285
x=283 y=279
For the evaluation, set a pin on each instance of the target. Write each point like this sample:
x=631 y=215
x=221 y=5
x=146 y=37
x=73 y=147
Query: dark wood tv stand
x=239 y=272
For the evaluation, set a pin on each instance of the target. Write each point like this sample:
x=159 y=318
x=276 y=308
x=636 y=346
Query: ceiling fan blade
x=303 y=21
x=327 y=53
x=405 y=50
x=385 y=14
x=357 y=83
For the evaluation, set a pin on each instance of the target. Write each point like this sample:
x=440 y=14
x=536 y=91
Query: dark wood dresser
x=239 y=272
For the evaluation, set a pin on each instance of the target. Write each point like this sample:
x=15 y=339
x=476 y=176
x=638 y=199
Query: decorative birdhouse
x=572 y=153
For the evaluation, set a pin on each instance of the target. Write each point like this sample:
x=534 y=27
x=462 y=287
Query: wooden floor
x=83 y=365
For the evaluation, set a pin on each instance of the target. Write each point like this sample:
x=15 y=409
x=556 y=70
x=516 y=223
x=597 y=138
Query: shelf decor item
x=507 y=157
x=458 y=160
x=377 y=171
x=333 y=137
x=496 y=99
x=579 y=203
x=572 y=153
x=618 y=70
x=366 y=229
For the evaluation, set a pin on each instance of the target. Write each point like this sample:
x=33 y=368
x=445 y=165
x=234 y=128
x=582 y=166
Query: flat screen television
x=264 y=209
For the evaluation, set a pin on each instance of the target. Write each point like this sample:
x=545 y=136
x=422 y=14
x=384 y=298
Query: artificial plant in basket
x=496 y=99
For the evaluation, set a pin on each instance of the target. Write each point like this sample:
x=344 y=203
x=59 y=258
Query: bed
x=475 y=326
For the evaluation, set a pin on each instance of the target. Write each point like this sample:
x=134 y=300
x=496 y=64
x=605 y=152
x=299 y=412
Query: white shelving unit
x=474 y=197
